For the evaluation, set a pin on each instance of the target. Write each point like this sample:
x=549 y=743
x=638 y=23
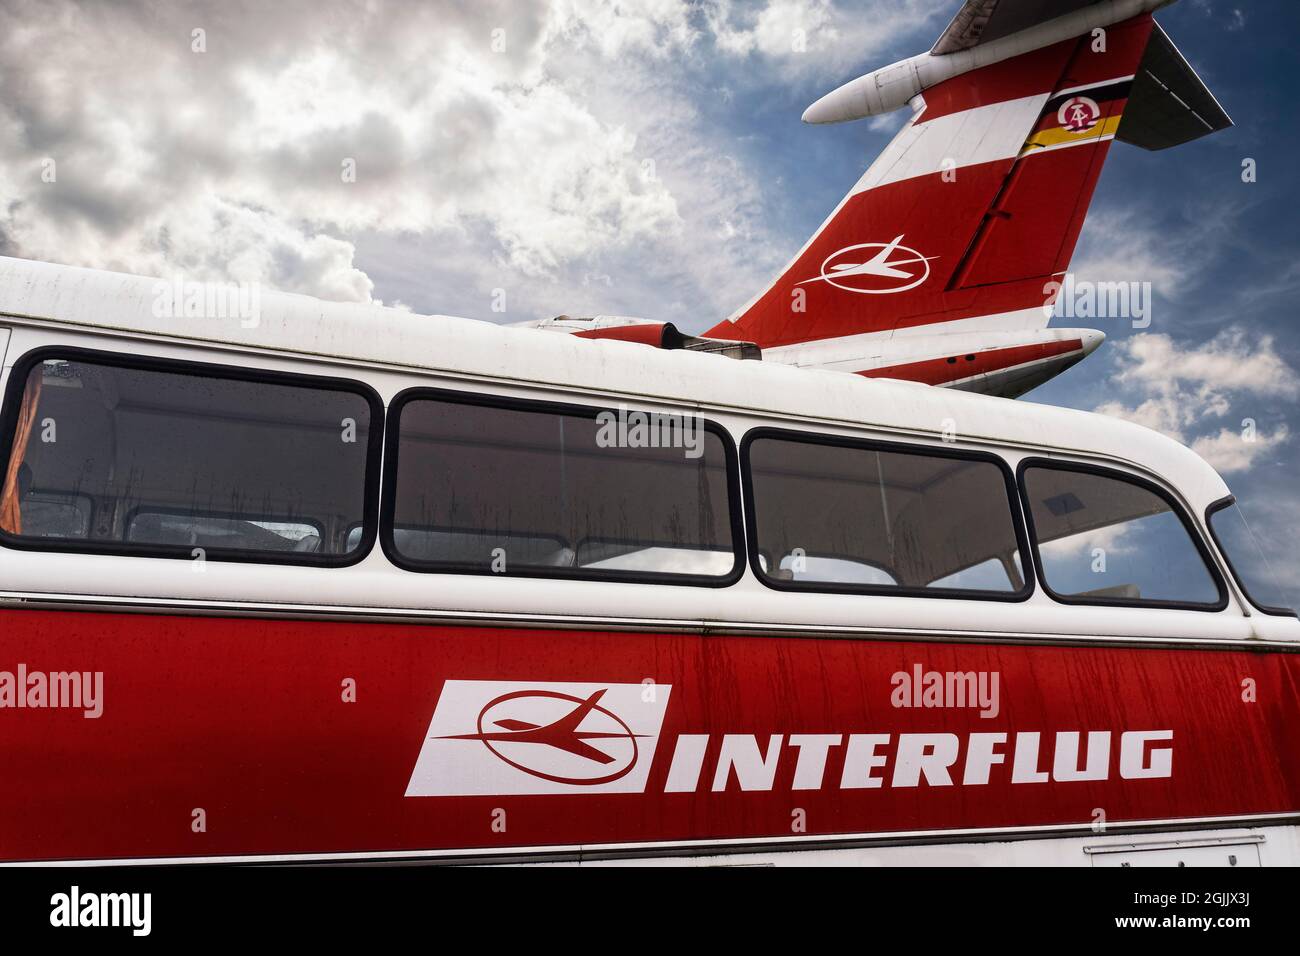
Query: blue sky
x=641 y=158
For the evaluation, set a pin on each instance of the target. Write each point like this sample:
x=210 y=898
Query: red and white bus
x=342 y=583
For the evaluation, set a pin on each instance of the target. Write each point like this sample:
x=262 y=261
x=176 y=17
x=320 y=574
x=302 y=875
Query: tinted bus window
x=1103 y=538
x=163 y=459
x=851 y=516
x=535 y=489
x=1249 y=563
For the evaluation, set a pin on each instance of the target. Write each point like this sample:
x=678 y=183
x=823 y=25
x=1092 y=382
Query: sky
x=510 y=160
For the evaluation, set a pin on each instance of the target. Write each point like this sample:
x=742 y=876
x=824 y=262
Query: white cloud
x=781 y=28
x=1119 y=245
x=1182 y=392
x=562 y=138
x=1110 y=539
x=1231 y=361
x=888 y=122
x=1231 y=452
x=657 y=28
x=167 y=156
x=819 y=38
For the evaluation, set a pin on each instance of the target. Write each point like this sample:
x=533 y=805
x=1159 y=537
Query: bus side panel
x=212 y=736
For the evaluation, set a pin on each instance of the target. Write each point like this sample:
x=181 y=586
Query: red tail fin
x=970 y=211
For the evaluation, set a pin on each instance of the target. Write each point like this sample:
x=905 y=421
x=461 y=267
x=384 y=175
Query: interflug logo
x=493 y=738
x=874 y=268
x=497 y=737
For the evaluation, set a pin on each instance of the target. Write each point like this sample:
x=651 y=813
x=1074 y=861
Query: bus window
x=164 y=459
x=1104 y=538
x=1247 y=559
x=839 y=515
x=493 y=486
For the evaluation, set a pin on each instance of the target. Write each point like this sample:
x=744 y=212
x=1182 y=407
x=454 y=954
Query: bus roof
x=370 y=334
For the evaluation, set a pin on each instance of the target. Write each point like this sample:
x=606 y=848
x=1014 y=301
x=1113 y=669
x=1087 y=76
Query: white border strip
x=89 y=603
x=1093 y=86
x=1091 y=140
x=700 y=847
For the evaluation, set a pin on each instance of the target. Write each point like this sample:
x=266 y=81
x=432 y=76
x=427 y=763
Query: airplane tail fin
x=971 y=213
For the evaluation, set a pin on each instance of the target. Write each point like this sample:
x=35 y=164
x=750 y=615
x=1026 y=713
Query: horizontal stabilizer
x=1169 y=104
x=982 y=21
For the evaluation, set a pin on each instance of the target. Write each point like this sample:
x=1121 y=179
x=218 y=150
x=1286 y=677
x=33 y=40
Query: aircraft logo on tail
x=852 y=270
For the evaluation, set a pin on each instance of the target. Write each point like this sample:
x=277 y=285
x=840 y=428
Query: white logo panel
x=512 y=737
